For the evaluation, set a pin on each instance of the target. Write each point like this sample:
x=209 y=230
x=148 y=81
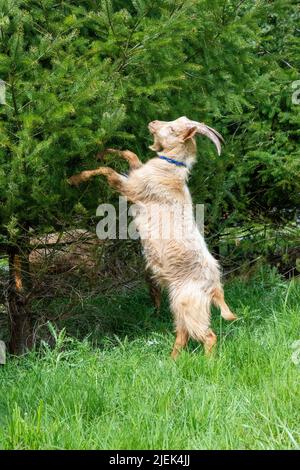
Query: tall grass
x=128 y=393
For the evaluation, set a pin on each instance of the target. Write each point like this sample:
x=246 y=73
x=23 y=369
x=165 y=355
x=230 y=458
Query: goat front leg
x=76 y=180
x=130 y=157
x=115 y=180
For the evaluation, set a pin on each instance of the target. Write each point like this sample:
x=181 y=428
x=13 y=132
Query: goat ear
x=189 y=133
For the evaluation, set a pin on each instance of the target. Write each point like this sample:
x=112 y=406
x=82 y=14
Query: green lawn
x=128 y=394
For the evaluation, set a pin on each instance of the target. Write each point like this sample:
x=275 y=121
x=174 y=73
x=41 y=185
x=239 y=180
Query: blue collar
x=170 y=160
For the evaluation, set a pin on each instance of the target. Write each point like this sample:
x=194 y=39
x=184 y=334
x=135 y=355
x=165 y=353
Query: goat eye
x=172 y=129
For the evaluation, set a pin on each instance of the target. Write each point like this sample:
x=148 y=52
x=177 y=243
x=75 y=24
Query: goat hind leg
x=154 y=290
x=192 y=315
x=181 y=340
x=209 y=341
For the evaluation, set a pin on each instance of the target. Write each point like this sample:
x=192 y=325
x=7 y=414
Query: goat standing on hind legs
x=182 y=263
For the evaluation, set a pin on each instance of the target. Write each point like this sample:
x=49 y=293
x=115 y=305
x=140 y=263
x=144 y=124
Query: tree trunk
x=21 y=331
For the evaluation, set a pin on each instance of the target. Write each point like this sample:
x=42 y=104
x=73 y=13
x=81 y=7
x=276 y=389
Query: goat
x=183 y=265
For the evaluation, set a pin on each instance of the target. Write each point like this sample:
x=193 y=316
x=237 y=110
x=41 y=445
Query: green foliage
x=61 y=106
x=248 y=65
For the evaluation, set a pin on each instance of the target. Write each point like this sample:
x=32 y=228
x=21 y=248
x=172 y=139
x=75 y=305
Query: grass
x=128 y=394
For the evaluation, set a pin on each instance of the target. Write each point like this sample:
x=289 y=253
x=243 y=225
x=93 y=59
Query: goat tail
x=219 y=301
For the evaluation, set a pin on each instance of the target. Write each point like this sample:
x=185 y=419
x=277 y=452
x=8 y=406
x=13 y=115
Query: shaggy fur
x=181 y=263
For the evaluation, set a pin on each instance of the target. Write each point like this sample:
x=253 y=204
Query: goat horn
x=217 y=133
x=211 y=133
